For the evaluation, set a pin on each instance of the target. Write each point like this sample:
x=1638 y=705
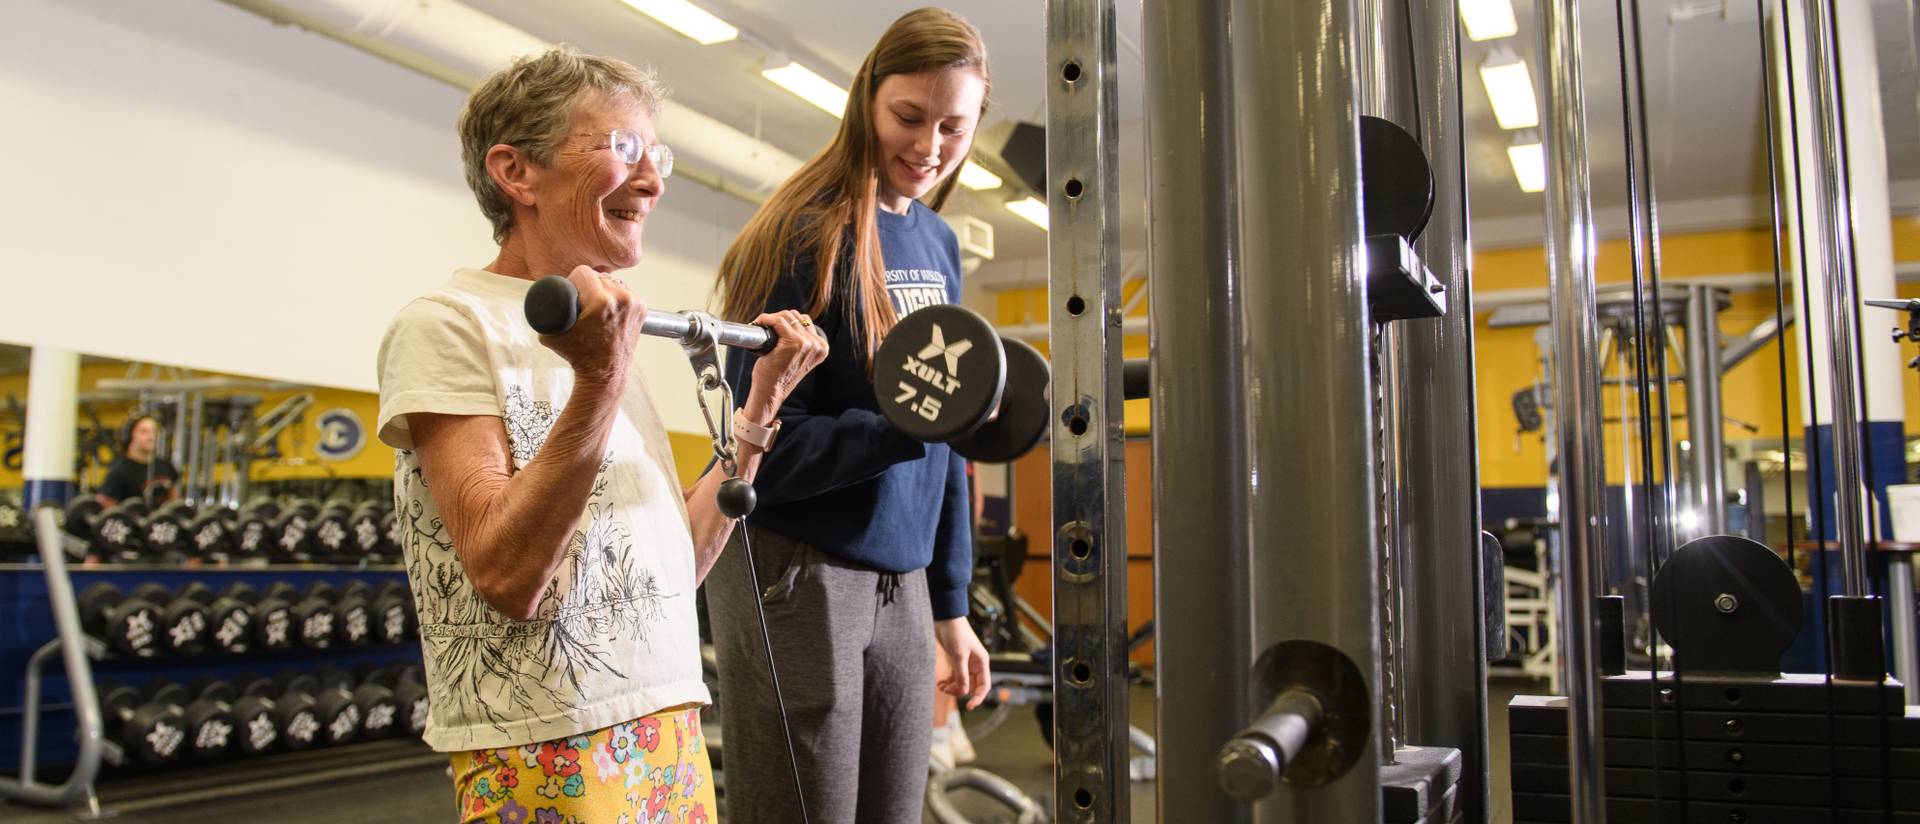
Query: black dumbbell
x=332 y=706
x=292 y=533
x=252 y=731
x=255 y=729
x=209 y=725
x=390 y=525
x=209 y=534
x=379 y=713
x=273 y=622
x=944 y=375
x=253 y=528
x=141 y=731
x=129 y=626
x=409 y=692
x=387 y=609
x=229 y=620
x=293 y=716
x=79 y=516
x=164 y=531
x=366 y=538
x=183 y=621
x=355 y=623
x=119 y=532
x=14 y=525
x=333 y=534
x=313 y=619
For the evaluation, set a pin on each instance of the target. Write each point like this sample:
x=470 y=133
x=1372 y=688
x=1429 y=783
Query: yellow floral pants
x=652 y=770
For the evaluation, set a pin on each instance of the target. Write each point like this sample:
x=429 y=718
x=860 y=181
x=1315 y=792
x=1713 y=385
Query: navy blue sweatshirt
x=840 y=477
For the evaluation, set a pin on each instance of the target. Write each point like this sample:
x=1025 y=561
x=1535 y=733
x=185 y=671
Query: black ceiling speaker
x=1026 y=153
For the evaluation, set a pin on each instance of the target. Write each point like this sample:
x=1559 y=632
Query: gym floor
x=394 y=781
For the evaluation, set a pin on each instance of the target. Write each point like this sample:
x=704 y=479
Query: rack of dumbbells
x=215 y=634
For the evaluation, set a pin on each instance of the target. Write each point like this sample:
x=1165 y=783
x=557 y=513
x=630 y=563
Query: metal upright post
x=1088 y=440
x=1836 y=256
x=1312 y=585
x=1445 y=663
x=1854 y=622
x=1202 y=568
x=1704 y=417
x=1570 y=250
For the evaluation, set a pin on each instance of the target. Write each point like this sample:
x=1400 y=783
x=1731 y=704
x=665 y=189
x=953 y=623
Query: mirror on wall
x=180 y=466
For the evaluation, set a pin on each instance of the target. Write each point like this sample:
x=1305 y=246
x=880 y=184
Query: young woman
x=862 y=536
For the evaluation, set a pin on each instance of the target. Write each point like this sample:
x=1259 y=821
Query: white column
x=53 y=383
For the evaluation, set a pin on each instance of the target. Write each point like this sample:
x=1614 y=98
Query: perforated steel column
x=1089 y=490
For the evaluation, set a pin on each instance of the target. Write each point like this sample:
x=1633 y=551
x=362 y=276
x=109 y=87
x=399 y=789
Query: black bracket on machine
x=1397 y=196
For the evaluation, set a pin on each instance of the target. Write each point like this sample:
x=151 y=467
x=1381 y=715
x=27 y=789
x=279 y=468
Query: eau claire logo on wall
x=342 y=435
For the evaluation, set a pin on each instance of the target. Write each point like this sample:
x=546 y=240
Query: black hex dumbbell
x=164 y=531
x=79 y=516
x=118 y=534
x=313 y=618
x=255 y=729
x=409 y=692
x=292 y=533
x=15 y=525
x=333 y=533
x=129 y=626
x=293 y=716
x=141 y=731
x=391 y=526
x=229 y=619
x=378 y=711
x=273 y=621
x=253 y=528
x=209 y=535
x=332 y=706
x=366 y=538
x=183 y=621
x=209 y=725
x=388 y=609
x=355 y=622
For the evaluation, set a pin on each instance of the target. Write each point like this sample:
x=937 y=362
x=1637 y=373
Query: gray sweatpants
x=856 y=669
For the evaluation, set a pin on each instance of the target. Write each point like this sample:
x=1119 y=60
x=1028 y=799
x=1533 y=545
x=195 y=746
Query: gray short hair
x=530 y=105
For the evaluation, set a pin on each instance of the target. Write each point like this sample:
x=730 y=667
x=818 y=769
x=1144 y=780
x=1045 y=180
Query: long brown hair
x=811 y=212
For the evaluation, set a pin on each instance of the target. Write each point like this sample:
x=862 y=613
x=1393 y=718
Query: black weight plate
x=1760 y=591
x=939 y=373
x=1396 y=186
x=1023 y=409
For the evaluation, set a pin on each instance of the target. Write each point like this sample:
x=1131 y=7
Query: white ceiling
x=1703 y=90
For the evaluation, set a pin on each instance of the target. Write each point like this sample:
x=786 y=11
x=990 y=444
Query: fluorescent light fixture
x=1488 y=19
x=1529 y=165
x=691 y=20
x=1032 y=210
x=1510 y=89
x=976 y=177
x=809 y=86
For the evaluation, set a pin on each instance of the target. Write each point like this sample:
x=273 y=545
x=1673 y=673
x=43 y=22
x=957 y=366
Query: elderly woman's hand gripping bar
x=553 y=305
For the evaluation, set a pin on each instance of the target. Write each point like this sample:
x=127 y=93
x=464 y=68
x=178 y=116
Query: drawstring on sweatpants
x=889 y=587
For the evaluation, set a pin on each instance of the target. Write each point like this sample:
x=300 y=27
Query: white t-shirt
x=615 y=636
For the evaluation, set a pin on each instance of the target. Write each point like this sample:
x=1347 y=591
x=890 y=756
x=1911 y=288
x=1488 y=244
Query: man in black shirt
x=137 y=471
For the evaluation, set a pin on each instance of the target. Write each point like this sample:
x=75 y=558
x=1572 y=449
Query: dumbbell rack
x=73 y=732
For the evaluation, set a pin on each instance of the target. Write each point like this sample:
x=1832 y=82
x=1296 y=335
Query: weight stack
x=1791 y=749
x=1422 y=786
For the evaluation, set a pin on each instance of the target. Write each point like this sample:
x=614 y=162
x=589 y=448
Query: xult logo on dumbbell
x=946 y=382
x=943 y=375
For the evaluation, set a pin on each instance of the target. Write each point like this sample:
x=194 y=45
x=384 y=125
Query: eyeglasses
x=629 y=147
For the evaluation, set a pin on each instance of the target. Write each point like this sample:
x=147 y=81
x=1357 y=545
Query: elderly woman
x=552 y=554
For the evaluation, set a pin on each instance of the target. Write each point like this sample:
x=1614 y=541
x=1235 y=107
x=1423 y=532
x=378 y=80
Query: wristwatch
x=748 y=432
